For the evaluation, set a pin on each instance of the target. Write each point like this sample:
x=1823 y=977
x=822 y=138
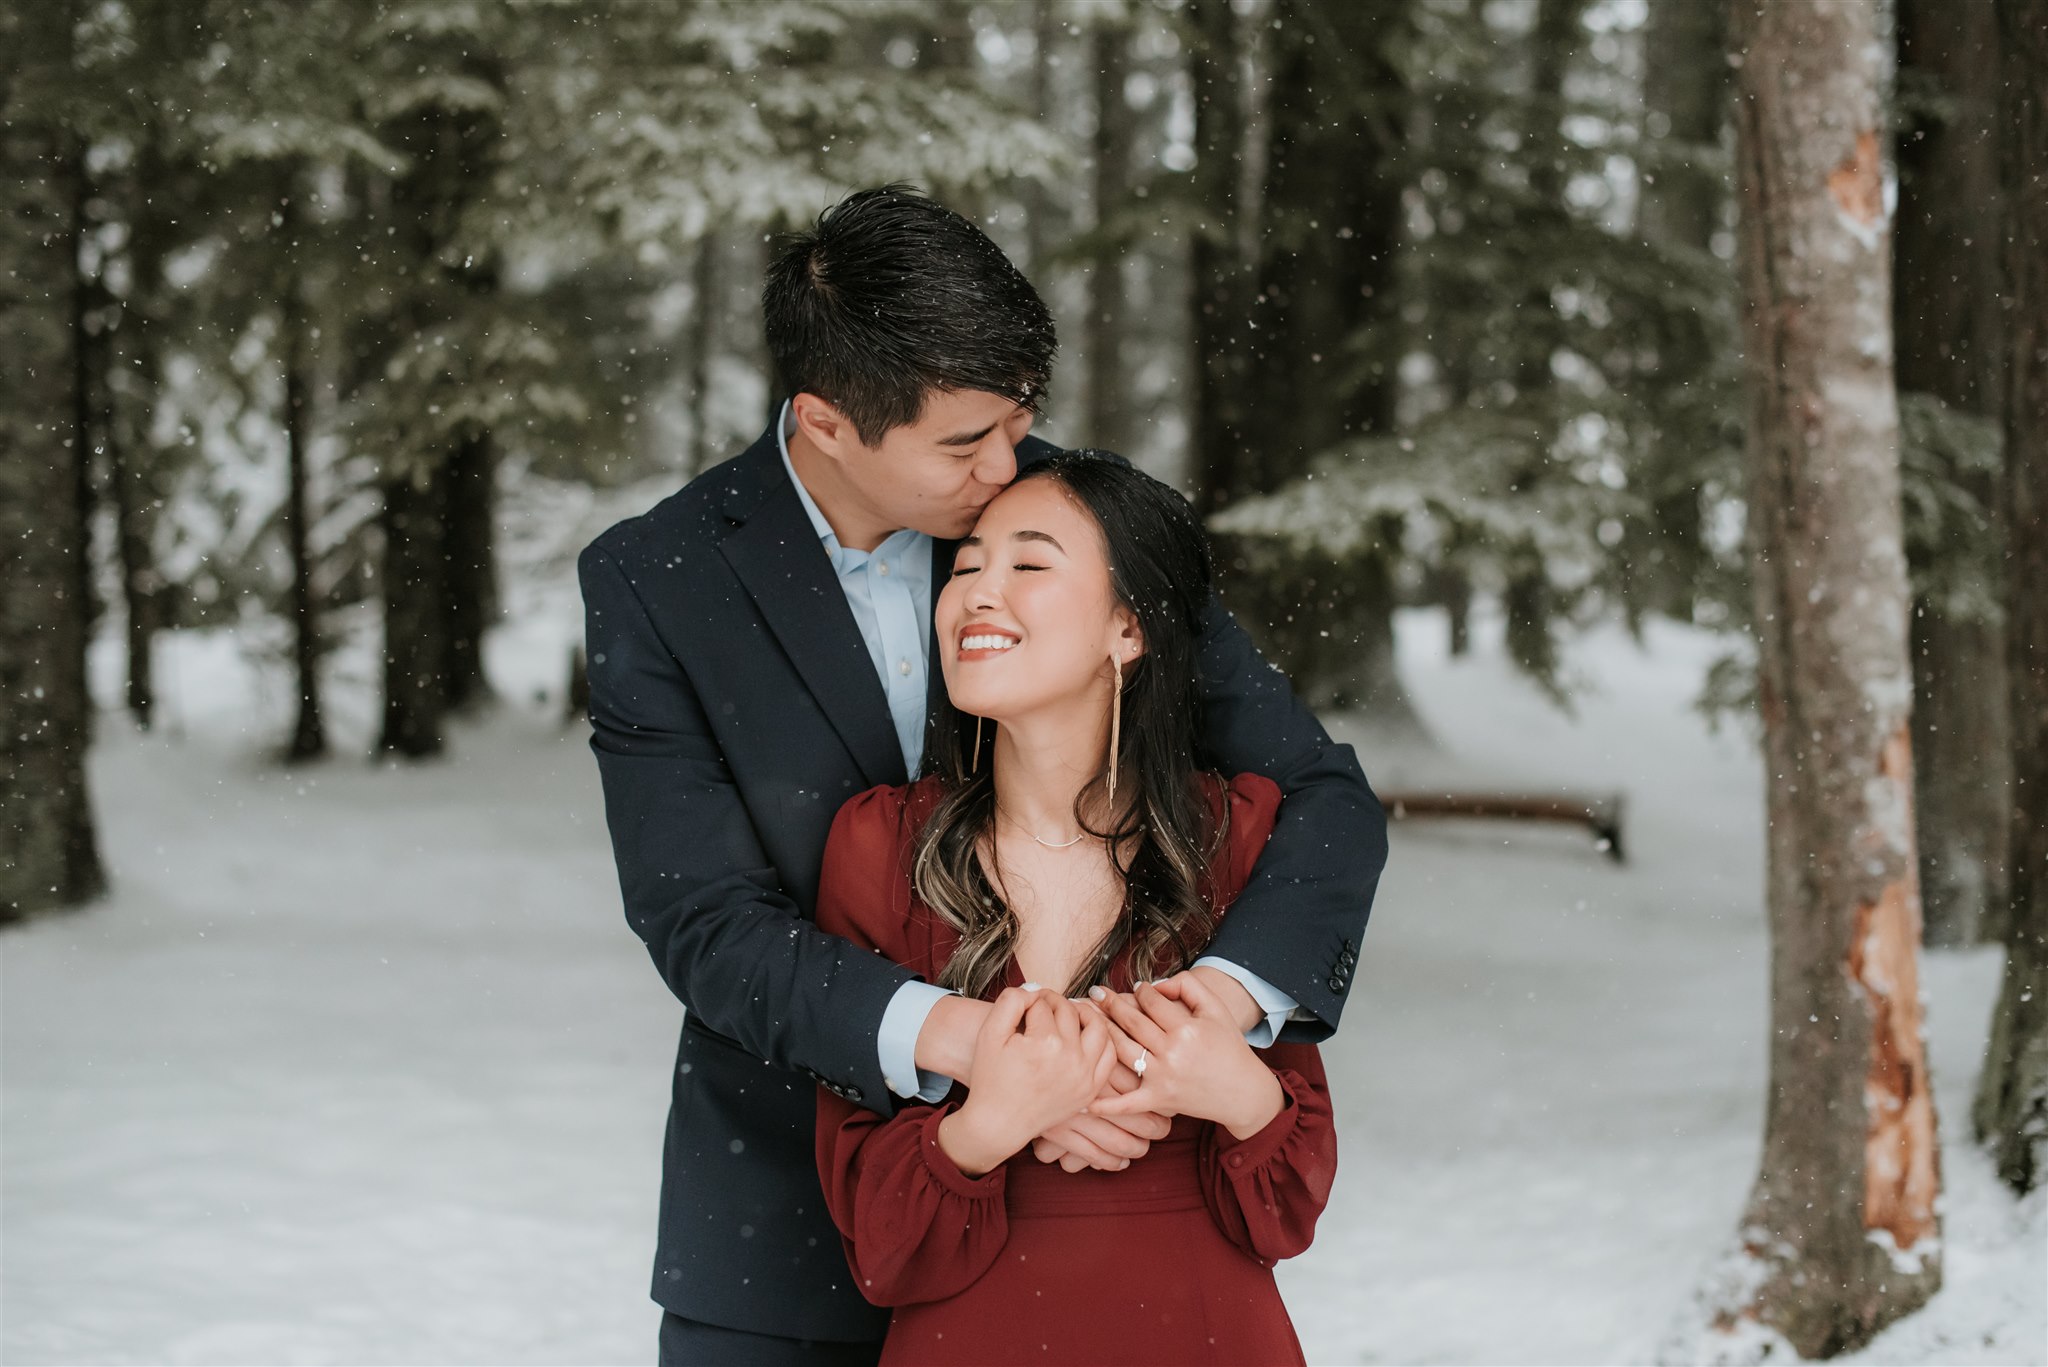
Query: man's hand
x=1230 y=994
x=946 y=1043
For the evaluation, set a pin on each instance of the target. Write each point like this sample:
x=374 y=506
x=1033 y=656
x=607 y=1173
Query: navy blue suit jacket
x=734 y=709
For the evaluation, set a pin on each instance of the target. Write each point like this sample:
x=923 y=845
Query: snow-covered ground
x=360 y=1064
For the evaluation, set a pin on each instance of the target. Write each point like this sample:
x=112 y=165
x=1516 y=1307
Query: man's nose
x=997 y=462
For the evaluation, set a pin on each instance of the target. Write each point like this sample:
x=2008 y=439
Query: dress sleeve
x=1266 y=1191
x=914 y=1226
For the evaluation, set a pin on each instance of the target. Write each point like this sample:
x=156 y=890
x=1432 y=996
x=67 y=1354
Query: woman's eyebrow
x=1048 y=537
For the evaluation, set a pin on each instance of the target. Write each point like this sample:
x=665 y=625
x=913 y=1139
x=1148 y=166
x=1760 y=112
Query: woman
x=1066 y=839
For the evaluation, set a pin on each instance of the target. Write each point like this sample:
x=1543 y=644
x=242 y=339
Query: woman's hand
x=1196 y=1061
x=1037 y=1061
x=1111 y=1143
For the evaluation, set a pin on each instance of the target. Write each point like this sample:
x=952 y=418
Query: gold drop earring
x=974 y=762
x=1116 y=718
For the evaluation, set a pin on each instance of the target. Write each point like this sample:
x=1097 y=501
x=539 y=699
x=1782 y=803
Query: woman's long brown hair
x=1160 y=569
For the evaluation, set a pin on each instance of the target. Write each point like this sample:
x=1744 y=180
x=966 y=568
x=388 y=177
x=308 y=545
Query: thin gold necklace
x=1051 y=845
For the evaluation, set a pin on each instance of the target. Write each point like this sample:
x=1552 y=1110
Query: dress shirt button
x=882 y=568
x=1237 y=1160
x=903 y=668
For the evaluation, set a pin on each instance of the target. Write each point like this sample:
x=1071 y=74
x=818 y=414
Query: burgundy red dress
x=1169 y=1260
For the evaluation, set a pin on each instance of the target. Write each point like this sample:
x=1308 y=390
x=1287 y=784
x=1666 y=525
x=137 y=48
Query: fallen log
x=1601 y=815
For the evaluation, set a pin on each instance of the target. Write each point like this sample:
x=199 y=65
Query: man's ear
x=830 y=430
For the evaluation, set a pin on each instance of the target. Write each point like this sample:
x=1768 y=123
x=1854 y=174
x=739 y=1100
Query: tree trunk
x=1219 y=283
x=703 y=339
x=1685 y=99
x=90 y=425
x=309 y=736
x=470 y=593
x=1320 y=368
x=415 y=622
x=1685 y=91
x=2012 y=1098
x=49 y=850
x=1324 y=366
x=1109 y=378
x=1841 y=1232
x=1945 y=312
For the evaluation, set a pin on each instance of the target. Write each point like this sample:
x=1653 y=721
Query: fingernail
x=1125 y=1164
x=1097 y=993
x=1031 y=987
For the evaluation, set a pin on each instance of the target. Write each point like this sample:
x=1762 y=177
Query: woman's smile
x=984 y=642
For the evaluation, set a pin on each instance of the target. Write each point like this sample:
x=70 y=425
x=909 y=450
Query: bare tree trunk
x=1219 y=281
x=49 y=850
x=703 y=338
x=309 y=736
x=2012 y=1098
x=1945 y=311
x=469 y=597
x=1841 y=1229
x=91 y=424
x=1685 y=99
x=1109 y=377
x=415 y=645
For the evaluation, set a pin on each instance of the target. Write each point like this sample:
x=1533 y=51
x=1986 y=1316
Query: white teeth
x=986 y=643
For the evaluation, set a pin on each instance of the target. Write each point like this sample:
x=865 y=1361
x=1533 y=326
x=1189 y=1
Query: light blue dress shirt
x=889 y=590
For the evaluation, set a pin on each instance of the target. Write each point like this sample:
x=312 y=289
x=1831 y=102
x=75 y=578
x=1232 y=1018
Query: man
x=760 y=650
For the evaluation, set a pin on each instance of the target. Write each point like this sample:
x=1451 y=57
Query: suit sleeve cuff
x=1278 y=1006
x=896 y=1041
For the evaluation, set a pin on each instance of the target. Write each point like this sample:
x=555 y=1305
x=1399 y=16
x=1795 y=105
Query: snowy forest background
x=331 y=330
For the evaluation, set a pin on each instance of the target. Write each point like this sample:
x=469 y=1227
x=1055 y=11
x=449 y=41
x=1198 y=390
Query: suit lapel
x=777 y=556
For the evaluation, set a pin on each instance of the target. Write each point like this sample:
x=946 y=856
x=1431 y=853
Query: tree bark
x=1219 y=304
x=1109 y=414
x=2012 y=1100
x=1319 y=362
x=309 y=735
x=703 y=339
x=438 y=575
x=49 y=851
x=415 y=644
x=1686 y=90
x=1685 y=99
x=470 y=592
x=1841 y=1231
x=1945 y=312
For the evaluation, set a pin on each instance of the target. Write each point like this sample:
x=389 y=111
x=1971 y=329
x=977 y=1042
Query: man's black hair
x=890 y=296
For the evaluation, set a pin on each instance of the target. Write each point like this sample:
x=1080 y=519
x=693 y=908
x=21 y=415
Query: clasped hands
x=1064 y=1076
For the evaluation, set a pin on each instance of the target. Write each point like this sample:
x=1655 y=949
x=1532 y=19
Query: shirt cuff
x=896 y=1041
x=1278 y=1006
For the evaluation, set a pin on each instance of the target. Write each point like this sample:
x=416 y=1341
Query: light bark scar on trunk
x=1898 y=1146
x=1858 y=183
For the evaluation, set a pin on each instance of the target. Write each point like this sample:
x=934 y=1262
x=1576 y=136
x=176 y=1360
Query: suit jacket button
x=1336 y=984
x=853 y=1093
